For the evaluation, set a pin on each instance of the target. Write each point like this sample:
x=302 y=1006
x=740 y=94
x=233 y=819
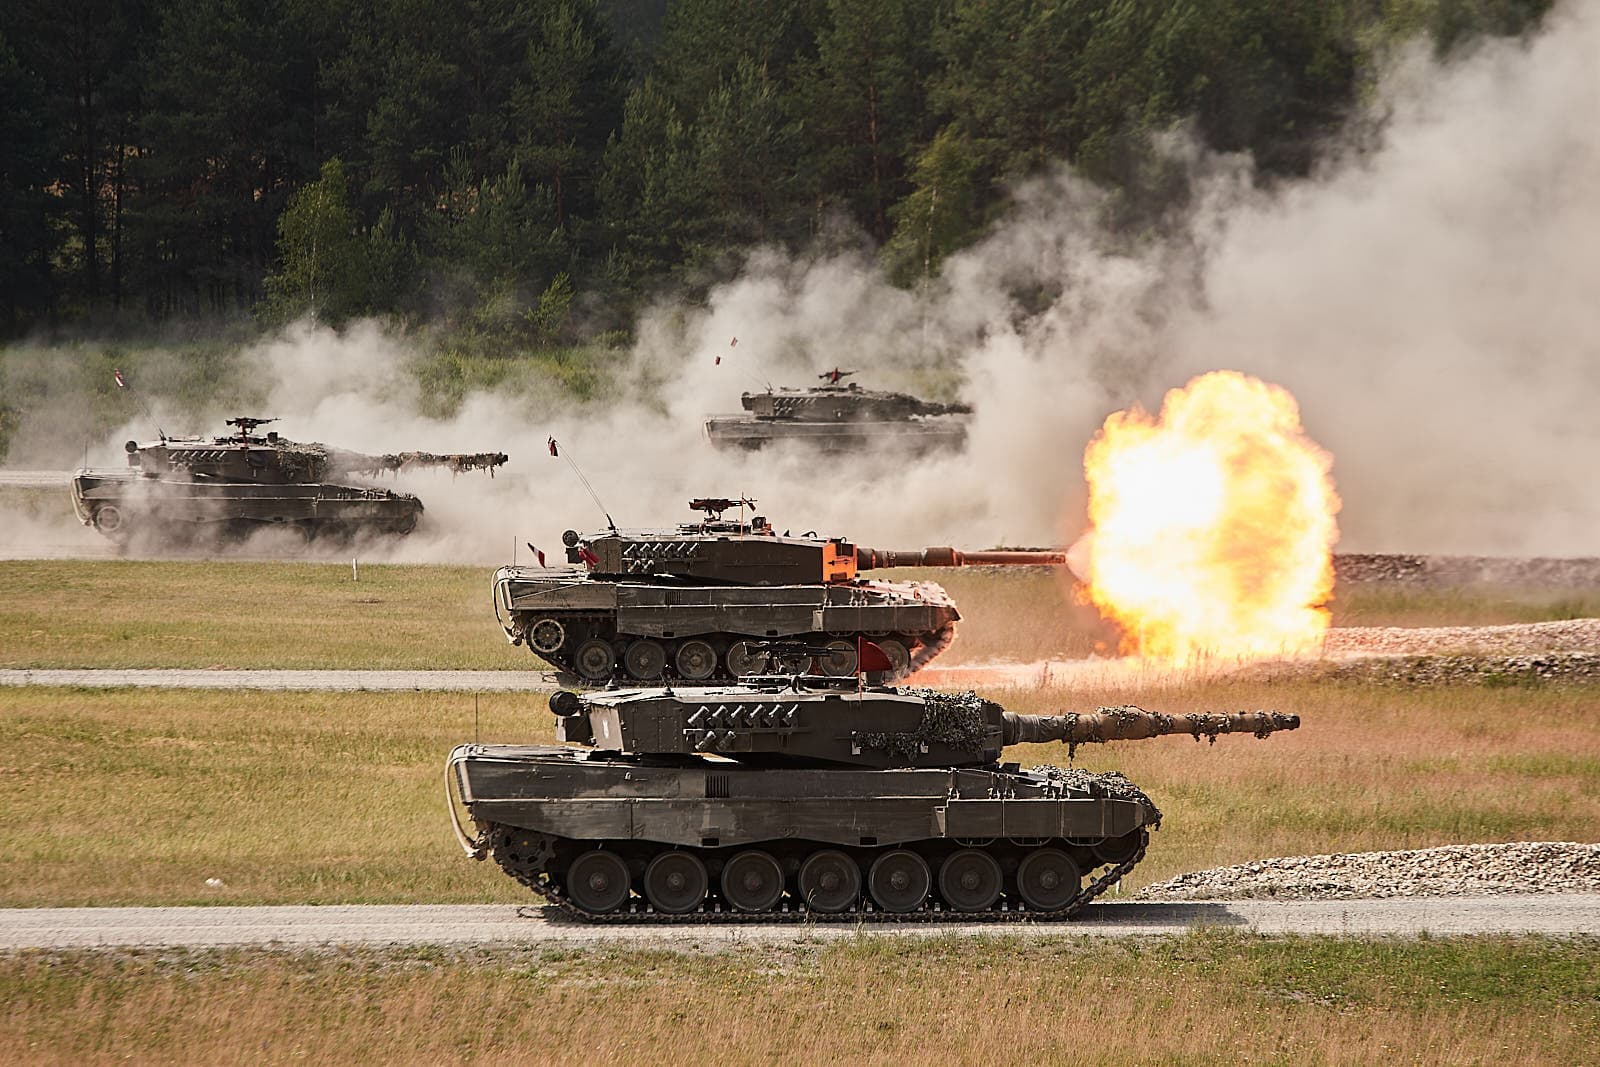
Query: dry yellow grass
x=1204 y=998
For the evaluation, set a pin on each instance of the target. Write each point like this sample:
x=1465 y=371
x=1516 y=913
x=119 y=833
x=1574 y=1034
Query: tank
x=840 y=416
x=208 y=488
x=808 y=798
x=686 y=603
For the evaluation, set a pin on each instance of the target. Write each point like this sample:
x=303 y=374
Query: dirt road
x=486 y=924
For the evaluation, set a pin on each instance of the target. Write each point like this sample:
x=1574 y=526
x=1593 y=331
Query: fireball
x=1211 y=525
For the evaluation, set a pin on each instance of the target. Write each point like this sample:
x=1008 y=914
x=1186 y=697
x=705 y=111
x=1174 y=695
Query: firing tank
x=687 y=603
x=839 y=416
x=209 y=488
x=793 y=799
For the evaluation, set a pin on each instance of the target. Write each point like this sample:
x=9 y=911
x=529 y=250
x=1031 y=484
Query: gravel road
x=469 y=681
x=486 y=924
x=1515 y=867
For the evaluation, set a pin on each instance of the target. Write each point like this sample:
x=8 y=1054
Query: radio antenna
x=555 y=450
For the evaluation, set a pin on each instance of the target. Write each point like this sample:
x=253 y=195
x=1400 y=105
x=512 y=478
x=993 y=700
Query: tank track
x=562 y=660
x=639 y=912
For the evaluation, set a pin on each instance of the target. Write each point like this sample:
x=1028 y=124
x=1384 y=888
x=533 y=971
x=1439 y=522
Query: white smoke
x=1431 y=302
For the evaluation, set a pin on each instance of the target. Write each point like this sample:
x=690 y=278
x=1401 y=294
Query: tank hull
x=556 y=612
x=123 y=505
x=751 y=432
x=539 y=809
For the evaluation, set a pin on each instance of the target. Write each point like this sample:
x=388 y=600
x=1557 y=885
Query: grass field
x=140 y=796
x=227 y=614
x=1205 y=998
x=125 y=613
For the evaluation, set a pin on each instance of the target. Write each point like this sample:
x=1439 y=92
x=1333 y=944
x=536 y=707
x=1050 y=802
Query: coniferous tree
x=862 y=103
x=27 y=241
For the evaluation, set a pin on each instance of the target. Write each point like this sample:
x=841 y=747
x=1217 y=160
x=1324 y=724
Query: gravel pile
x=1565 y=635
x=1465 y=570
x=1486 y=670
x=1448 y=871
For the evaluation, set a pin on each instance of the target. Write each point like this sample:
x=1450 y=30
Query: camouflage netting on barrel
x=1129 y=723
x=961 y=721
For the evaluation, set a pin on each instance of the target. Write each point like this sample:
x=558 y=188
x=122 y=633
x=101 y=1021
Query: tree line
x=537 y=167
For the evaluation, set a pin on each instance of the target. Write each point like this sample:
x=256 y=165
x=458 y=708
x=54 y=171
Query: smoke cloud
x=1429 y=300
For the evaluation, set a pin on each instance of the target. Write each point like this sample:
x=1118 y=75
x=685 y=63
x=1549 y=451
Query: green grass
x=1208 y=997
x=139 y=796
x=220 y=614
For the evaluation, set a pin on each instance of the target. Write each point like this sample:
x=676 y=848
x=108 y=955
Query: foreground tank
x=687 y=603
x=200 y=488
x=785 y=799
x=837 y=416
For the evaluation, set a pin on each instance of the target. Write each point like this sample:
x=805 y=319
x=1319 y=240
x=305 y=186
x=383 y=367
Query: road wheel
x=829 y=881
x=1115 y=850
x=840 y=660
x=742 y=660
x=675 y=882
x=546 y=635
x=970 y=880
x=595 y=659
x=899 y=880
x=752 y=881
x=696 y=660
x=645 y=659
x=598 y=881
x=111 y=522
x=895 y=650
x=1047 y=879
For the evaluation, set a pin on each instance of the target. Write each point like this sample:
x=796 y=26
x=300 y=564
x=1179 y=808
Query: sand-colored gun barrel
x=1136 y=724
x=943 y=556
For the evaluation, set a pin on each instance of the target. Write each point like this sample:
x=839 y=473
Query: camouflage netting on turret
x=302 y=462
x=961 y=721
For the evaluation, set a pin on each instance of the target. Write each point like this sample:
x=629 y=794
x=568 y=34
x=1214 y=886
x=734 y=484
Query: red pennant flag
x=536 y=552
x=118 y=376
x=870 y=658
x=554 y=451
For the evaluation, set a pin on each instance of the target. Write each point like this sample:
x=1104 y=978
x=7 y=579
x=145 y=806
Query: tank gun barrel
x=1135 y=724
x=944 y=556
x=361 y=463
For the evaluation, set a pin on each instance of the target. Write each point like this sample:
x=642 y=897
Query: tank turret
x=180 y=487
x=834 y=722
x=686 y=602
x=794 y=796
x=836 y=415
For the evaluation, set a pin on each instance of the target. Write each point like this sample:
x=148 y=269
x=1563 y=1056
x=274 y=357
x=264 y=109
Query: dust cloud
x=1429 y=300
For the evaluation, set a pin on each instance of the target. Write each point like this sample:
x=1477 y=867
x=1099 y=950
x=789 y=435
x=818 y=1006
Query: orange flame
x=1211 y=526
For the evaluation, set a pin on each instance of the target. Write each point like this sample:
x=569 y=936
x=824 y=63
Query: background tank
x=793 y=798
x=687 y=603
x=186 y=487
x=839 y=416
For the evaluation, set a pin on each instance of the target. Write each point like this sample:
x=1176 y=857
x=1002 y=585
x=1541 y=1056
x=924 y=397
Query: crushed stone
x=1445 y=871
